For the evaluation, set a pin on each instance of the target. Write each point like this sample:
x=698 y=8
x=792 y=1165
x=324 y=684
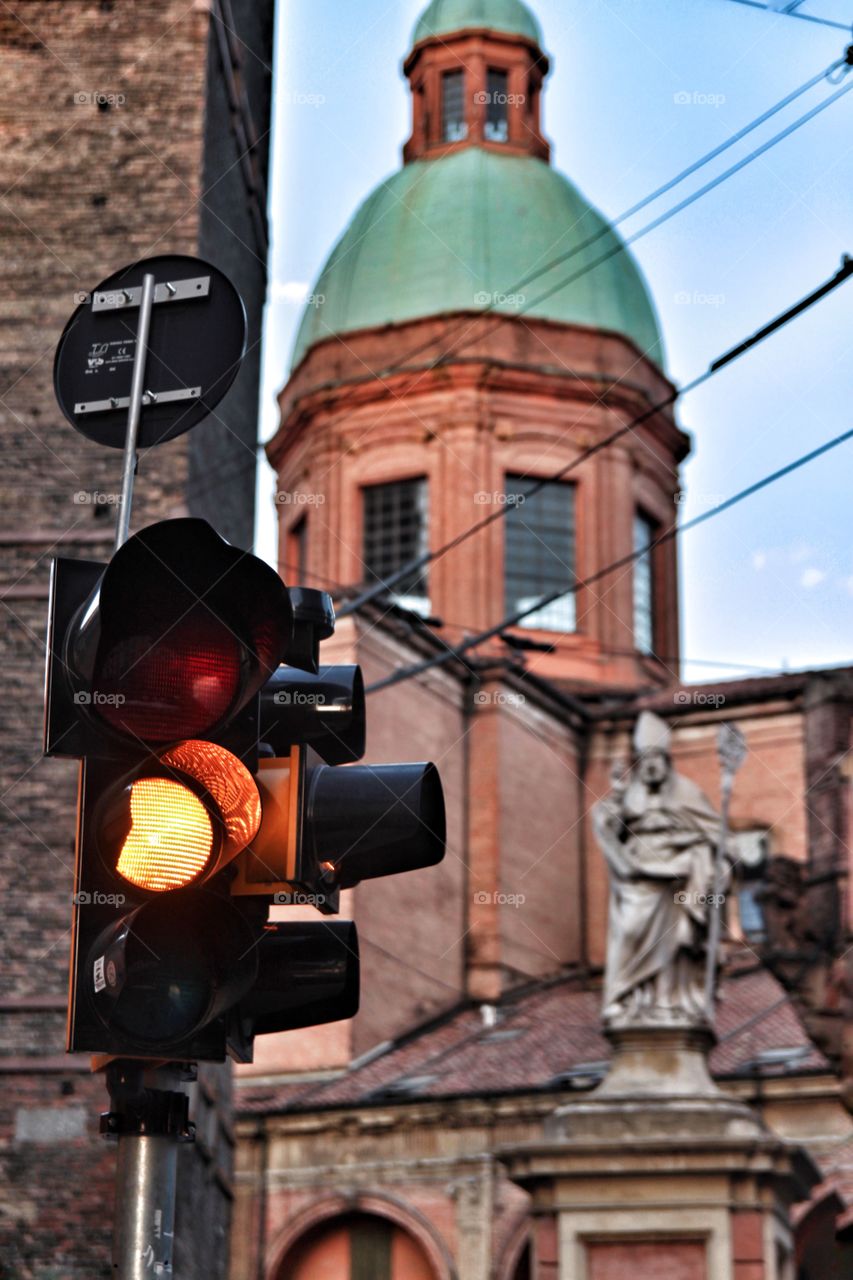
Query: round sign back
x=196 y=343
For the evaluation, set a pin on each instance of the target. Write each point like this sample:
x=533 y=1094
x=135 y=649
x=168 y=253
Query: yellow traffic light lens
x=170 y=839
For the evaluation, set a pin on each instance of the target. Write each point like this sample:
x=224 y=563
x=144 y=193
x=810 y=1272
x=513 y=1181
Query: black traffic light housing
x=154 y=666
x=189 y=681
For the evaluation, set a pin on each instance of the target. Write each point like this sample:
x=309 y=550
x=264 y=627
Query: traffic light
x=187 y=679
x=326 y=828
x=154 y=666
x=323 y=828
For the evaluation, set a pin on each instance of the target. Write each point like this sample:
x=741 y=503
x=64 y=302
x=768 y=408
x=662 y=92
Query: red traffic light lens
x=161 y=687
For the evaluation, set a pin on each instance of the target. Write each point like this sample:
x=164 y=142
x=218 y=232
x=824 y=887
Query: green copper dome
x=458 y=233
x=443 y=16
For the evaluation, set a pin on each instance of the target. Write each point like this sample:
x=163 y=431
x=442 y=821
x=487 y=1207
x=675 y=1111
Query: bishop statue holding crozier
x=659 y=834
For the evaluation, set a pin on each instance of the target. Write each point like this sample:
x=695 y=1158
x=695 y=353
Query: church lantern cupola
x=476 y=71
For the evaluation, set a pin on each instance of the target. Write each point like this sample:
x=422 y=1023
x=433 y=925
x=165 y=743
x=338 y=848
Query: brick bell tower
x=440 y=371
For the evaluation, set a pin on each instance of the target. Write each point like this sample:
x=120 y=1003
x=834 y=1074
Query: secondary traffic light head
x=323 y=709
x=373 y=820
x=173 y=638
x=308 y=974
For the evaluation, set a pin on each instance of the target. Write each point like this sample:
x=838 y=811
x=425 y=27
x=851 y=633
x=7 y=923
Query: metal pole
x=134 y=410
x=715 y=908
x=731 y=750
x=146 y=1181
x=150 y=1118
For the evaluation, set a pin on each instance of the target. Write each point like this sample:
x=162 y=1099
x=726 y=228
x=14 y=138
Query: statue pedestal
x=653 y=1060
x=658 y=1175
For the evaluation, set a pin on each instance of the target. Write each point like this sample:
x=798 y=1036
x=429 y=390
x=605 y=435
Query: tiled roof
x=602 y=701
x=540 y=1035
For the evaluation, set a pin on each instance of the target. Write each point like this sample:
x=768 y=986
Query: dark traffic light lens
x=159 y=687
x=168 y=992
x=162 y=972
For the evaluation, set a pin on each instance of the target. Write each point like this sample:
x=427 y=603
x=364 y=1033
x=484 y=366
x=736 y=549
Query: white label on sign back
x=120 y=351
x=98 y=973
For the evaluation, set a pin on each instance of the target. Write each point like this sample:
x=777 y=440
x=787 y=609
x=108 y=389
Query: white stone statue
x=659 y=834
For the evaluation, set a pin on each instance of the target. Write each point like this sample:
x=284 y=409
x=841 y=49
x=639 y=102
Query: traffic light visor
x=366 y=821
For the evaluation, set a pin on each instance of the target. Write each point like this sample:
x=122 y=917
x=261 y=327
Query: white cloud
x=811 y=578
x=289 y=290
x=759 y=559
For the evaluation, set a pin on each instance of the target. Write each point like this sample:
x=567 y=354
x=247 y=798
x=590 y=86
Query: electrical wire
x=642 y=204
x=673 y=532
x=195 y=490
x=623 y=245
x=430 y=557
x=792 y=13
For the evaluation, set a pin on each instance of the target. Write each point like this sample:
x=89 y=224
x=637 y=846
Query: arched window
x=356 y=1246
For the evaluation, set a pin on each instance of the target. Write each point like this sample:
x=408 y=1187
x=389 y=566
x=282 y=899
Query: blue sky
x=769 y=584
